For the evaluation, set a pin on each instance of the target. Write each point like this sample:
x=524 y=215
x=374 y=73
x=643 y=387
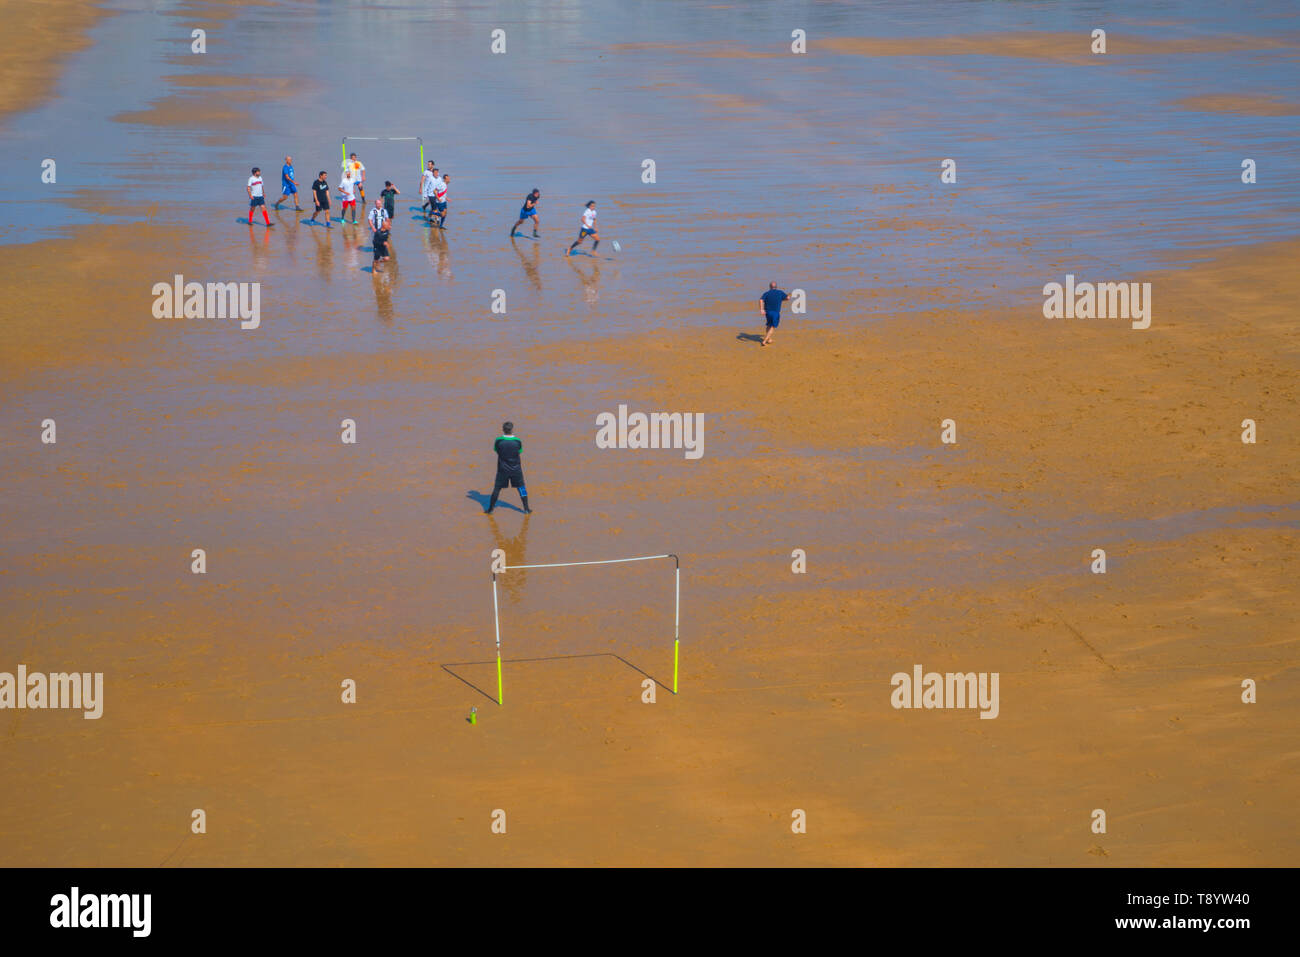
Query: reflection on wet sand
x=287 y=220
x=590 y=280
x=352 y=242
x=529 y=261
x=259 y=243
x=324 y=252
x=512 y=582
x=435 y=247
x=385 y=279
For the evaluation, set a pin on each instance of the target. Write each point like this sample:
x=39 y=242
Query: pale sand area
x=214 y=105
x=1059 y=47
x=1033 y=45
x=41 y=34
x=38 y=37
x=1119 y=692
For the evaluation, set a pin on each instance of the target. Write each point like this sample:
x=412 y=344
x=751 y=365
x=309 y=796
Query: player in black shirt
x=510 y=470
x=528 y=211
x=320 y=191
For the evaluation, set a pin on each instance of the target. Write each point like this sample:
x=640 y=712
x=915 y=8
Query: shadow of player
x=483 y=500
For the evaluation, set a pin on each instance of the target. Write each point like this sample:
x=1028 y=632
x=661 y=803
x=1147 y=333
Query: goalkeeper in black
x=509 y=469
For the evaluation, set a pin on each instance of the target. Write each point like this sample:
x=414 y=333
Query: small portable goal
x=677 y=604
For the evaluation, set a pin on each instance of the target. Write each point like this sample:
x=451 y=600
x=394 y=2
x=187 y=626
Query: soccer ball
x=616 y=246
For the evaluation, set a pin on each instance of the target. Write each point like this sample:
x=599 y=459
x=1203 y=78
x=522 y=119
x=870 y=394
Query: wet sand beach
x=371 y=562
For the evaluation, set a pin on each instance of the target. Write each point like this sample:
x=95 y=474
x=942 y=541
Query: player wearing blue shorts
x=288 y=185
x=771 y=301
x=528 y=211
x=587 y=228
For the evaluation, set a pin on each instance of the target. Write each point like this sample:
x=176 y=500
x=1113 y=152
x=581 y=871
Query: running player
x=588 y=228
x=348 y=190
x=320 y=193
x=771 y=301
x=288 y=185
x=510 y=471
x=256 y=197
x=528 y=211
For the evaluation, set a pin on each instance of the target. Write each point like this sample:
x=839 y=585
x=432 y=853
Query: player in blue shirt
x=288 y=185
x=771 y=301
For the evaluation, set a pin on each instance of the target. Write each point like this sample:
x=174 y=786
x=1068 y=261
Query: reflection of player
x=590 y=283
x=435 y=246
x=588 y=228
x=516 y=550
x=383 y=283
x=510 y=471
x=530 y=264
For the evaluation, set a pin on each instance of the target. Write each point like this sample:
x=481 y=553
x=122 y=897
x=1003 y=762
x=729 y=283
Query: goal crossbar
x=677 y=604
x=385 y=139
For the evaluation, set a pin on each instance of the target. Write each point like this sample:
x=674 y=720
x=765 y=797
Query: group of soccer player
x=351 y=189
x=433 y=192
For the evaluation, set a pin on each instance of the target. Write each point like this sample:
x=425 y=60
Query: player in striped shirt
x=440 y=199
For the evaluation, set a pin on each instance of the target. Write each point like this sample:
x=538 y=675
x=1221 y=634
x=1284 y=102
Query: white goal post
x=677 y=604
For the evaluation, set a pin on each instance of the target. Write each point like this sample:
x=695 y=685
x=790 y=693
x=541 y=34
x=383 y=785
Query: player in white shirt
x=426 y=188
x=353 y=167
x=440 y=199
x=588 y=228
x=256 y=196
x=348 y=190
